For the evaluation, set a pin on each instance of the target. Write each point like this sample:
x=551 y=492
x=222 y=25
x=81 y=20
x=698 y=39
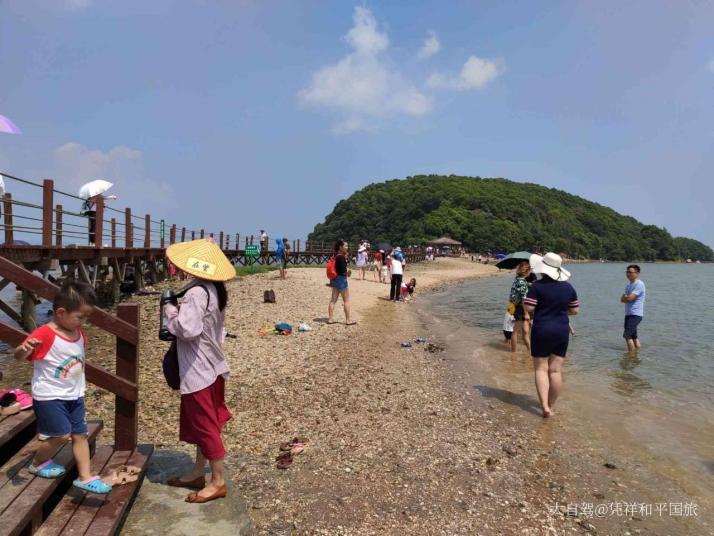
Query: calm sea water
x=660 y=402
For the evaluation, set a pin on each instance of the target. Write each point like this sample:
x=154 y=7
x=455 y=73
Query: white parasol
x=94 y=188
x=2 y=186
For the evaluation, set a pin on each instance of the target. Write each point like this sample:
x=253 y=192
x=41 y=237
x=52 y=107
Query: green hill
x=499 y=215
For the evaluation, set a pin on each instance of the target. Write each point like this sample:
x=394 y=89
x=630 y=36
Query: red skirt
x=203 y=416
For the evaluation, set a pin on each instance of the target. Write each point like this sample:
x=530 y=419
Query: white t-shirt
x=396 y=267
x=508 y=321
x=58 y=364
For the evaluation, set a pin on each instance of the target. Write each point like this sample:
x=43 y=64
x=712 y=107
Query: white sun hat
x=551 y=265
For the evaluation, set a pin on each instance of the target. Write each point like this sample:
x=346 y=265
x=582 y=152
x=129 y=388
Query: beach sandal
x=130 y=470
x=351 y=323
x=284 y=460
x=118 y=478
x=48 y=469
x=295 y=446
x=23 y=398
x=196 y=483
x=11 y=409
x=196 y=498
x=95 y=485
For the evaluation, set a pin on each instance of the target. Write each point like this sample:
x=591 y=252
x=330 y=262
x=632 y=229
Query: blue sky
x=237 y=115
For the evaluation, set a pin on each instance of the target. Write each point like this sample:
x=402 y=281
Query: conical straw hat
x=201 y=258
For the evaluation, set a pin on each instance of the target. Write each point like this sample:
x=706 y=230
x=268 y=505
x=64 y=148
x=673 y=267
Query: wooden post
x=58 y=226
x=28 y=311
x=193 y=235
x=116 y=280
x=172 y=234
x=228 y=242
x=202 y=233
x=99 y=223
x=183 y=234
x=128 y=230
x=126 y=412
x=298 y=246
x=7 y=202
x=147 y=231
x=237 y=241
x=251 y=240
x=220 y=242
x=48 y=186
x=114 y=232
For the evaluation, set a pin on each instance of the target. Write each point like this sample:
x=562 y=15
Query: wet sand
x=399 y=440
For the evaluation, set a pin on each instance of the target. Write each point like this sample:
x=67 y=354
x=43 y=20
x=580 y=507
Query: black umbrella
x=386 y=246
x=509 y=262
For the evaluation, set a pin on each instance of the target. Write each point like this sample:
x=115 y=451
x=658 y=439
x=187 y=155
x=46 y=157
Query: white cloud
x=431 y=46
x=364 y=36
x=475 y=74
x=76 y=164
x=361 y=86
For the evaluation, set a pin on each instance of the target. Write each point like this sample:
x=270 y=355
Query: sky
x=238 y=115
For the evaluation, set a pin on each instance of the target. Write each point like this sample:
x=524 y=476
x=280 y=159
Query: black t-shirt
x=341 y=265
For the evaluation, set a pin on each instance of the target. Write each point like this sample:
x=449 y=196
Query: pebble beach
x=395 y=440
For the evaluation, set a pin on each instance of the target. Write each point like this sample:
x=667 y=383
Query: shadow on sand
x=525 y=402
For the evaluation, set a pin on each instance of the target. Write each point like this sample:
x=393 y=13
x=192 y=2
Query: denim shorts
x=57 y=418
x=339 y=282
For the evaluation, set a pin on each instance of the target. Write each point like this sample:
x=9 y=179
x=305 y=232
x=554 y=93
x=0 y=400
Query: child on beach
x=56 y=351
x=508 y=322
x=385 y=271
x=410 y=287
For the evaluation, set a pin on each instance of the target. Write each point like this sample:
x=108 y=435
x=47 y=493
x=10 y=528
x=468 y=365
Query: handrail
x=43 y=288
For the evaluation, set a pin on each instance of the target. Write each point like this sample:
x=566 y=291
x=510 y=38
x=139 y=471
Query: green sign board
x=252 y=252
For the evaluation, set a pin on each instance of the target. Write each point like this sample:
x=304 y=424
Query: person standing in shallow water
x=634 y=300
x=519 y=289
x=551 y=300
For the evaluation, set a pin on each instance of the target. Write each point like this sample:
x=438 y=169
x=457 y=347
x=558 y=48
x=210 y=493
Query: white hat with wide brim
x=549 y=264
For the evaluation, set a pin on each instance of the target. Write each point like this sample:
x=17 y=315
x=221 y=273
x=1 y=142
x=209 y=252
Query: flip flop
x=94 y=485
x=293 y=447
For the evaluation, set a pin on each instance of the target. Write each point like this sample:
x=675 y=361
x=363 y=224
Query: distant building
x=446 y=245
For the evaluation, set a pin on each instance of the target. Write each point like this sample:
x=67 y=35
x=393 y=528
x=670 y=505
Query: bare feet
x=547 y=412
x=210 y=490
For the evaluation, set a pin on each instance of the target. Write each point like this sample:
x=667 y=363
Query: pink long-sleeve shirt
x=198 y=327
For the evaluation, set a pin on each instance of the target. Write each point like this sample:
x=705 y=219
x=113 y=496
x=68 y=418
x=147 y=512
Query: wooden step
x=81 y=513
x=13 y=425
x=22 y=495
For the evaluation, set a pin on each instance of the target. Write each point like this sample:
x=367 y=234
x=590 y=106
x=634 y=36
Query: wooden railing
x=124 y=326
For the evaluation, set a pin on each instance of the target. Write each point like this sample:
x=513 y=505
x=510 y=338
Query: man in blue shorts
x=634 y=300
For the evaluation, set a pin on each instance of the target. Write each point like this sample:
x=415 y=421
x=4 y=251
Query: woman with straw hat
x=550 y=300
x=198 y=327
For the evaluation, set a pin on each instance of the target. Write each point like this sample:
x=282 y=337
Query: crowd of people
x=539 y=310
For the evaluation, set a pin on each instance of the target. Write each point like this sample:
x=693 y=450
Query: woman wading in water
x=550 y=300
x=519 y=290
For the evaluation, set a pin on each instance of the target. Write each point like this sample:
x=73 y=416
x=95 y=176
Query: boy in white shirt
x=56 y=351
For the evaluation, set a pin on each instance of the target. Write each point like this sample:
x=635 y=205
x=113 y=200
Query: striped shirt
x=551 y=300
x=198 y=327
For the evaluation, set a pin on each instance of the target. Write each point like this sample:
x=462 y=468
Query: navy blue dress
x=551 y=299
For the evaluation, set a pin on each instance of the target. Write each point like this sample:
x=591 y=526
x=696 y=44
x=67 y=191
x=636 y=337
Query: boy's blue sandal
x=95 y=485
x=48 y=469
